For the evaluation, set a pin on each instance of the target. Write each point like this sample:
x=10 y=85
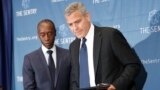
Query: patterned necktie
x=51 y=66
x=84 y=72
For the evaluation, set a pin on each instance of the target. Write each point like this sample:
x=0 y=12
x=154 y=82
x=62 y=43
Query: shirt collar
x=44 y=49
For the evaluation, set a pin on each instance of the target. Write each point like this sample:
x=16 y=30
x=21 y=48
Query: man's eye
x=70 y=24
x=50 y=33
x=42 y=34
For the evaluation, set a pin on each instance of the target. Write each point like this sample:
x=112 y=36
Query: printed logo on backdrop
x=148 y=49
x=26 y=10
x=117 y=26
x=55 y=1
x=26 y=38
x=151 y=14
x=154 y=21
x=100 y=1
x=25 y=4
x=64 y=35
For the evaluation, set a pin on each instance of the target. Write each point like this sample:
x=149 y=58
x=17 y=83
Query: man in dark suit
x=45 y=71
x=110 y=58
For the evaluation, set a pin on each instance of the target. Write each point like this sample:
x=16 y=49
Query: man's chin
x=79 y=37
x=48 y=46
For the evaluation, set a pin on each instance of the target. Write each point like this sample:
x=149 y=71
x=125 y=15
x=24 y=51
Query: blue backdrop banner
x=138 y=20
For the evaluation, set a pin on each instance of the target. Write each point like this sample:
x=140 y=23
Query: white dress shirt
x=89 y=44
x=44 y=50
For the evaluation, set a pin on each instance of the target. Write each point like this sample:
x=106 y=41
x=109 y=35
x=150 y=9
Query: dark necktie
x=51 y=66
x=84 y=72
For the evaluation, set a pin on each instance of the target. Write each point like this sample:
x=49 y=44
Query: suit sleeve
x=28 y=75
x=128 y=58
x=73 y=75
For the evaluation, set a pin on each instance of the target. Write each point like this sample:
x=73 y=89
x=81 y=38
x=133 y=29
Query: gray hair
x=75 y=6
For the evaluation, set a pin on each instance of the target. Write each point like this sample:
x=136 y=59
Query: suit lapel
x=59 y=61
x=75 y=52
x=96 y=47
x=43 y=62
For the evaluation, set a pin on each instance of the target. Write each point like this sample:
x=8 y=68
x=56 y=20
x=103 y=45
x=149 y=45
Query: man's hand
x=111 y=87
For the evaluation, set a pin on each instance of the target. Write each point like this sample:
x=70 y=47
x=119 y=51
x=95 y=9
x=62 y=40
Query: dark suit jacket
x=114 y=61
x=36 y=73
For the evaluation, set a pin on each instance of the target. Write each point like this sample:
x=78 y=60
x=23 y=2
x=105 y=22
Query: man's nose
x=74 y=27
x=46 y=37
